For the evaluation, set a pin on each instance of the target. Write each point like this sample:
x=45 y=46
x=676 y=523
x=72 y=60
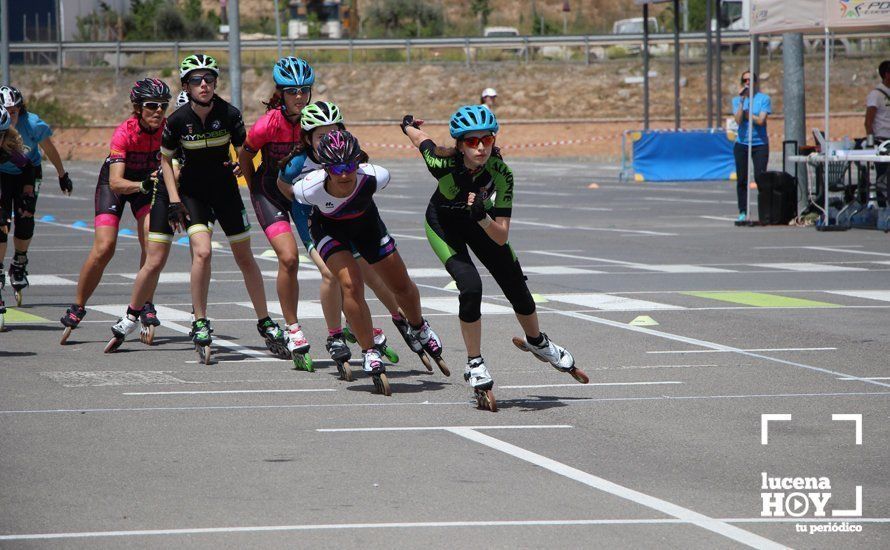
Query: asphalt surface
x=690 y=329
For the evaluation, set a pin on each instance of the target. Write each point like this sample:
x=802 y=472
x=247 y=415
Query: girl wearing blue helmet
x=470 y=210
x=275 y=134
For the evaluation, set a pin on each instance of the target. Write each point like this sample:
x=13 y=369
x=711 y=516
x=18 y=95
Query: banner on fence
x=684 y=155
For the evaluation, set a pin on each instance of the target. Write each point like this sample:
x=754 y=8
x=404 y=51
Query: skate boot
x=340 y=354
x=2 y=313
x=556 y=355
x=431 y=345
x=149 y=318
x=200 y=335
x=476 y=373
x=372 y=363
x=298 y=347
x=18 y=276
x=405 y=330
x=379 y=343
x=124 y=326
x=71 y=320
x=274 y=337
x=2 y=277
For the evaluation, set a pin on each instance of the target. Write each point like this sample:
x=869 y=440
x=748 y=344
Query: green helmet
x=320 y=113
x=195 y=62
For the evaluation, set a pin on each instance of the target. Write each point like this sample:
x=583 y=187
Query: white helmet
x=489 y=92
x=181 y=99
x=9 y=96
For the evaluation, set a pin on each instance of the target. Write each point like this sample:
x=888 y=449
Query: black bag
x=776 y=198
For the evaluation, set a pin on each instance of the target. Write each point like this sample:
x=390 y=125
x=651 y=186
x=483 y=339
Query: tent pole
x=709 y=20
x=676 y=64
x=718 y=68
x=751 y=83
x=645 y=66
x=827 y=147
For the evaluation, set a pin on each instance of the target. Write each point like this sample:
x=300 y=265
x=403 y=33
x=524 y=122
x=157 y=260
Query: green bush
x=616 y=52
x=54 y=113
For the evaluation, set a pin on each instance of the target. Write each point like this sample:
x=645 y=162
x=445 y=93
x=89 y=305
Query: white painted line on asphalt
x=447 y=428
x=718 y=218
x=408 y=237
x=570 y=402
x=663 y=506
x=867 y=378
x=167 y=277
x=660 y=268
x=734 y=351
x=558 y=270
x=863 y=252
x=217 y=342
x=581 y=228
x=50 y=280
x=350 y=526
x=810 y=267
x=576 y=385
x=450 y=305
x=164 y=313
x=608 y=302
x=712 y=345
x=222 y=392
x=306 y=309
x=880 y=295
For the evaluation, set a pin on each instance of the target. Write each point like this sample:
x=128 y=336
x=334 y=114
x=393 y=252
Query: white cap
x=489 y=92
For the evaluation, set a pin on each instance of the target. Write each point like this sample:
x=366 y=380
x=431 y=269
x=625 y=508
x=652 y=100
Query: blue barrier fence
x=685 y=155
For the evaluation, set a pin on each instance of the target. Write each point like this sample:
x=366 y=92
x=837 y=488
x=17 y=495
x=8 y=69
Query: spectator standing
x=758 y=141
x=877 y=125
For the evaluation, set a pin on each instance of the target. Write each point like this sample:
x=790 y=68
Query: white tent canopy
x=825 y=16
x=779 y=16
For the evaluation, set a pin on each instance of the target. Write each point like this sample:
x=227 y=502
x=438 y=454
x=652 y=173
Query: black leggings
x=11 y=186
x=450 y=236
x=760 y=159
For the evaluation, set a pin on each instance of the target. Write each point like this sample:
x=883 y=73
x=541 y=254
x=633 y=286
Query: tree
x=481 y=9
x=404 y=18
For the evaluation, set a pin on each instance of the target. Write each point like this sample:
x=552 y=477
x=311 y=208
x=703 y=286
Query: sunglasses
x=342 y=168
x=154 y=105
x=294 y=90
x=196 y=80
x=473 y=142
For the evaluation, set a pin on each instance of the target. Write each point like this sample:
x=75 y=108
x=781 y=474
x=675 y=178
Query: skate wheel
x=65 y=334
x=485 y=400
x=345 y=371
x=382 y=384
x=203 y=354
x=113 y=344
x=302 y=362
x=426 y=361
x=442 y=366
x=350 y=337
x=147 y=334
x=520 y=343
x=391 y=354
x=579 y=375
x=18 y=298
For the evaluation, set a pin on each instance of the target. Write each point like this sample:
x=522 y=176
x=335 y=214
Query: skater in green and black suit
x=470 y=210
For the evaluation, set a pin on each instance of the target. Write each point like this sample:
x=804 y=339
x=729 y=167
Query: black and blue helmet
x=472 y=118
x=292 y=72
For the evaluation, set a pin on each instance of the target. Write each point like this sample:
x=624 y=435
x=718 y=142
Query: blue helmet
x=293 y=71
x=5 y=119
x=472 y=118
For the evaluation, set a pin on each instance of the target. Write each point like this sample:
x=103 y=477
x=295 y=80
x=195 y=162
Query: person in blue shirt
x=759 y=142
x=21 y=188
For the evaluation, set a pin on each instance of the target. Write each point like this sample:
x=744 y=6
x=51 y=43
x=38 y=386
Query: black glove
x=177 y=215
x=407 y=120
x=28 y=204
x=65 y=183
x=147 y=185
x=477 y=209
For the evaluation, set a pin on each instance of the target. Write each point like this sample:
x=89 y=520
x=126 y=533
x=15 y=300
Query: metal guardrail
x=370 y=43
